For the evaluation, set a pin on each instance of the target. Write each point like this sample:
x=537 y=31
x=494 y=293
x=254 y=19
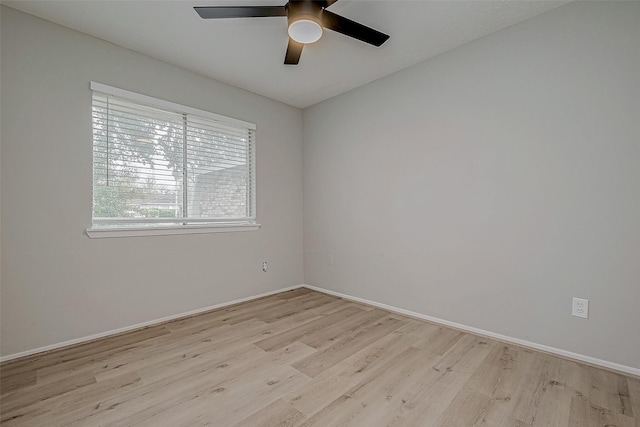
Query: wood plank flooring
x=303 y=358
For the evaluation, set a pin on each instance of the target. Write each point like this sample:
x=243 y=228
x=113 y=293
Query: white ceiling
x=249 y=53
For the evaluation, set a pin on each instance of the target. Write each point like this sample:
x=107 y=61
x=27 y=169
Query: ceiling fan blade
x=294 y=50
x=214 y=12
x=352 y=29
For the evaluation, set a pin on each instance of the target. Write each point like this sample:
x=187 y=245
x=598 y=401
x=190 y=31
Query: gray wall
x=491 y=184
x=57 y=284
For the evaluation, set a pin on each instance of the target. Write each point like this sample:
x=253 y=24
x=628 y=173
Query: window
x=159 y=165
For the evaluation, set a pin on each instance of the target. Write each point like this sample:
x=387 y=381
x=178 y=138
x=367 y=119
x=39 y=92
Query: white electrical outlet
x=580 y=308
x=264 y=266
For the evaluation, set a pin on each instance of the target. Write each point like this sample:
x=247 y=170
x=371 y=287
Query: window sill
x=101 y=233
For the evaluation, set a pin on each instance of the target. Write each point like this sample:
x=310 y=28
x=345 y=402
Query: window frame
x=194 y=227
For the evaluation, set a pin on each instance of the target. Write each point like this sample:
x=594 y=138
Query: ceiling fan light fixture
x=305 y=31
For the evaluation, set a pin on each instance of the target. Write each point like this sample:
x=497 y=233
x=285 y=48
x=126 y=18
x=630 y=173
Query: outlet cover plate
x=580 y=308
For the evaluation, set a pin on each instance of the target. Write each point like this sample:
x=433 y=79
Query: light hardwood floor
x=303 y=358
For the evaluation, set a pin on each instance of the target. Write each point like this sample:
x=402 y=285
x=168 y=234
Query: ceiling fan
x=306 y=18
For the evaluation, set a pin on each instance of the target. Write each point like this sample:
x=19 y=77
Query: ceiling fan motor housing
x=304 y=20
x=310 y=10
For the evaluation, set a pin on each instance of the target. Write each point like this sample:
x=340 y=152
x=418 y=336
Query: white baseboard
x=476 y=331
x=523 y=343
x=139 y=325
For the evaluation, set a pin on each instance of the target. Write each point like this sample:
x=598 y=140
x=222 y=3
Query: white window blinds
x=160 y=164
